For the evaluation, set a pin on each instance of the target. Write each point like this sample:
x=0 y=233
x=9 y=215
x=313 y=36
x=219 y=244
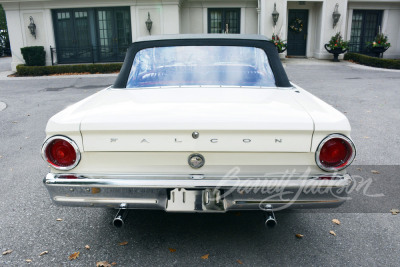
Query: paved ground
x=5 y=64
x=368 y=234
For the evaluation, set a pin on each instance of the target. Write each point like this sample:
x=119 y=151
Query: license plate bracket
x=207 y=200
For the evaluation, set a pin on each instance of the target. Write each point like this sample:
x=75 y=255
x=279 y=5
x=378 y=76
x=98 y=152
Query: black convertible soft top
x=258 y=41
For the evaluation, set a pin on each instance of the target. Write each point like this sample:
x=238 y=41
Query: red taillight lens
x=61 y=152
x=335 y=153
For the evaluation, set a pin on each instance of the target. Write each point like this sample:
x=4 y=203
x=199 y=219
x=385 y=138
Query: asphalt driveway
x=367 y=236
x=5 y=64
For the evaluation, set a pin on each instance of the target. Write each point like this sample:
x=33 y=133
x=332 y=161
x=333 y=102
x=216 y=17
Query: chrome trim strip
x=251 y=202
x=157 y=176
x=104 y=200
x=143 y=182
x=203 y=86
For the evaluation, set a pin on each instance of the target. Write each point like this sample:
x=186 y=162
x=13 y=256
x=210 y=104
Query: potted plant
x=337 y=46
x=281 y=46
x=379 y=45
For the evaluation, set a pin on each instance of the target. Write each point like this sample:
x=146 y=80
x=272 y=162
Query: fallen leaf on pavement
x=28 y=260
x=123 y=243
x=113 y=263
x=205 y=257
x=44 y=253
x=7 y=252
x=394 y=211
x=299 y=235
x=103 y=264
x=172 y=250
x=332 y=233
x=87 y=247
x=74 y=256
x=239 y=261
x=366 y=137
x=359 y=169
x=59 y=219
x=375 y=172
x=336 y=221
x=15 y=122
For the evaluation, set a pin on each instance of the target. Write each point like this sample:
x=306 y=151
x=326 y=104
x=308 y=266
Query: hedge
x=23 y=70
x=34 y=55
x=373 y=61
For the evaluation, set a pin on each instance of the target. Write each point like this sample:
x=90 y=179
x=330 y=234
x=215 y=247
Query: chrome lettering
x=214 y=140
x=144 y=141
x=278 y=140
x=246 y=140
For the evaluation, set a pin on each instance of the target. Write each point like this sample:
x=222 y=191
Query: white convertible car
x=199 y=123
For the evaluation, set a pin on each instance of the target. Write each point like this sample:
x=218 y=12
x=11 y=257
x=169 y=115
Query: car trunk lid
x=226 y=119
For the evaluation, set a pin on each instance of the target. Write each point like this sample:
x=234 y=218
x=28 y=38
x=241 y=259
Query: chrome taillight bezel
x=71 y=142
x=322 y=143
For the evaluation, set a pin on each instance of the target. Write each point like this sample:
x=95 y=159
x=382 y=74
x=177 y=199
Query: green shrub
x=23 y=70
x=34 y=55
x=373 y=61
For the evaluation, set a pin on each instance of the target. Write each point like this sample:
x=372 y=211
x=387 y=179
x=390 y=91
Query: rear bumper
x=194 y=193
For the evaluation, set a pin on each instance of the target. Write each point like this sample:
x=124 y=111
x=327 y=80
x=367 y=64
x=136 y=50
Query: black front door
x=297 y=32
x=113 y=33
x=92 y=34
x=364 y=27
x=72 y=35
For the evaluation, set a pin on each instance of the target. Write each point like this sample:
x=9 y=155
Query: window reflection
x=201 y=65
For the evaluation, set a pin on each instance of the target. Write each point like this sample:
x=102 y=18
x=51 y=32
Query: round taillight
x=335 y=153
x=61 y=152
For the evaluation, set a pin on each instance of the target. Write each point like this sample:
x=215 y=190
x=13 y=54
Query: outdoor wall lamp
x=32 y=27
x=335 y=15
x=149 y=23
x=275 y=15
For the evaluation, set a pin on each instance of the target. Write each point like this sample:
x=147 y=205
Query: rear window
x=201 y=65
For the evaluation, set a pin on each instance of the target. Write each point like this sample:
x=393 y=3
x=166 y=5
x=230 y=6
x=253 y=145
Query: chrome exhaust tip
x=270 y=221
x=120 y=218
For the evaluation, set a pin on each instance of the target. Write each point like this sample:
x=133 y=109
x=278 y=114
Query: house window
x=92 y=34
x=224 y=20
x=364 y=27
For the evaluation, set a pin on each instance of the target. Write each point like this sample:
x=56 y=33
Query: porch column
x=327 y=30
x=171 y=18
x=15 y=33
x=267 y=27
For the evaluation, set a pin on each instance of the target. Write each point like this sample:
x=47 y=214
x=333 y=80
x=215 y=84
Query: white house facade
x=100 y=31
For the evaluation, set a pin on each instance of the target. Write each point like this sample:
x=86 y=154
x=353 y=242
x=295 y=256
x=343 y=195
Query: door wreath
x=296 y=25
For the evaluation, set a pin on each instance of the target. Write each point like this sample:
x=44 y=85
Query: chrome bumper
x=194 y=193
